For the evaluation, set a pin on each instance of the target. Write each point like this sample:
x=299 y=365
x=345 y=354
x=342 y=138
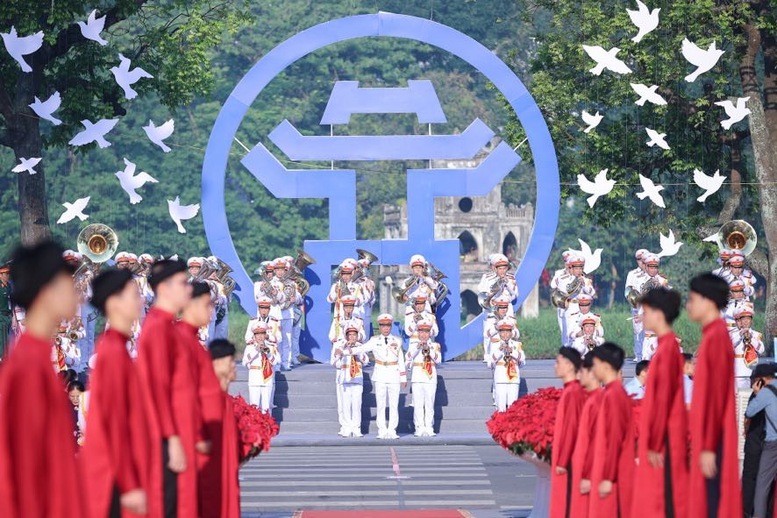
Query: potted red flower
x=255 y=428
x=525 y=429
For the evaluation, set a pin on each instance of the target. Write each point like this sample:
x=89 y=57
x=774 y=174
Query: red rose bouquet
x=256 y=429
x=527 y=425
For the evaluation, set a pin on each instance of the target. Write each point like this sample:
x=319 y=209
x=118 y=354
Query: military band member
x=420 y=282
x=498 y=283
x=264 y=287
x=6 y=314
x=261 y=356
x=736 y=301
x=587 y=338
x=652 y=279
x=349 y=360
x=634 y=281
x=344 y=286
x=649 y=345
x=422 y=359
x=87 y=314
x=490 y=331
x=572 y=284
x=345 y=320
x=389 y=375
x=560 y=280
x=194 y=265
x=265 y=317
x=723 y=257
x=737 y=271
x=506 y=356
x=288 y=291
x=298 y=309
x=122 y=260
x=368 y=295
x=574 y=322
x=417 y=312
x=748 y=345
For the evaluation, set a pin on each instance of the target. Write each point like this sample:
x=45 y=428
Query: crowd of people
x=609 y=459
x=157 y=434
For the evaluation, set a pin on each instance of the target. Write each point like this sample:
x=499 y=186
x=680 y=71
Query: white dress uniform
x=285 y=315
x=559 y=282
x=337 y=292
x=505 y=290
x=505 y=359
x=424 y=385
x=339 y=325
x=413 y=317
x=635 y=279
x=261 y=374
x=368 y=301
x=387 y=378
x=734 y=305
x=574 y=324
x=349 y=362
x=491 y=333
x=273 y=329
x=741 y=369
x=649 y=345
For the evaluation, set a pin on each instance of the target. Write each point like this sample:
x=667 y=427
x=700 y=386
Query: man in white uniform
x=417 y=312
x=498 y=284
x=389 y=375
x=349 y=360
x=506 y=356
x=261 y=356
x=748 y=345
x=422 y=358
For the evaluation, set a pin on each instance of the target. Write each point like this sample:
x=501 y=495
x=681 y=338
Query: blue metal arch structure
x=423 y=184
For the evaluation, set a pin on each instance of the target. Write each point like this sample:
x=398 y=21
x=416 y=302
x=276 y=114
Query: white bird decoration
x=592 y=259
x=735 y=113
x=45 y=109
x=651 y=191
x=20 y=46
x=656 y=139
x=74 y=210
x=669 y=246
x=26 y=164
x=157 y=134
x=126 y=77
x=710 y=184
x=93 y=27
x=94 y=132
x=606 y=59
x=592 y=120
x=601 y=186
x=130 y=181
x=181 y=212
x=647 y=93
x=703 y=60
x=645 y=20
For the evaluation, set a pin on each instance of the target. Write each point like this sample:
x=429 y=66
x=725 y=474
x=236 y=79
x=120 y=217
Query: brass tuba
x=222 y=274
x=96 y=243
x=302 y=261
x=736 y=234
x=364 y=254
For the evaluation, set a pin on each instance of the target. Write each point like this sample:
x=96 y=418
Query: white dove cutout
x=704 y=60
x=669 y=246
x=601 y=186
x=606 y=59
x=74 y=210
x=592 y=120
x=592 y=260
x=645 y=20
x=94 y=132
x=26 y=164
x=157 y=134
x=656 y=139
x=45 y=109
x=647 y=94
x=126 y=77
x=710 y=184
x=181 y=212
x=93 y=27
x=130 y=181
x=735 y=113
x=18 y=46
x=651 y=191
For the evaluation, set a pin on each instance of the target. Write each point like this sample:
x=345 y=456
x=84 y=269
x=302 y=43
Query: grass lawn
x=540 y=336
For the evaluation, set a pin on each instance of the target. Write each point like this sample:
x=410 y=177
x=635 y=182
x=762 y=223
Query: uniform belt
x=387 y=364
x=418 y=364
x=739 y=356
x=255 y=368
x=501 y=362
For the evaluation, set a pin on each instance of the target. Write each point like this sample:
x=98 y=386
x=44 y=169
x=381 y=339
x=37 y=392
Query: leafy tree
x=563 y=87
x=170 y=39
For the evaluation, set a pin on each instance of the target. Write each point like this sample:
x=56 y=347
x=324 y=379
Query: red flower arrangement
x=256 y=429
x=527 y=425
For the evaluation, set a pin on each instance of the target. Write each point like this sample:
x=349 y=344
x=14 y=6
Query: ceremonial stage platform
x=306 y=404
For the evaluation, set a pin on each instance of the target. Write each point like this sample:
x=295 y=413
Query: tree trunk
x=763 y=132
x=26 y=142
